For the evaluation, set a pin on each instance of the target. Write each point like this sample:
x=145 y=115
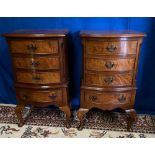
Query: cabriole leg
x=80 y=114
x=66 y=110
x=130 y=118
x=18 y=110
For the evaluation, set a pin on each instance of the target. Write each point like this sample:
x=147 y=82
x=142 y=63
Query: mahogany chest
x=40 y=69
x=110 y=60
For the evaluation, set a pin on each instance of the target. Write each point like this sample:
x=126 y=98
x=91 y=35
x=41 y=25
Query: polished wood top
x=111 y=33
x=37 y=33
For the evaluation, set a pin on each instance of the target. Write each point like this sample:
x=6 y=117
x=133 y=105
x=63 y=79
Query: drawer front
x=111 y=47
x=99 y=98
x=38 y=77
x=40 y=63
x=108 y=80
x=110 y=64
x=34 y=46
x=54 y=95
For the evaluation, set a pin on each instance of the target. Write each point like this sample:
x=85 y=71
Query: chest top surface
x=38 y=33
x=111 y=33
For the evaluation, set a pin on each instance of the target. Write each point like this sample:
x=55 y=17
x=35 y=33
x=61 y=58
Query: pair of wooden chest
x=109 y=68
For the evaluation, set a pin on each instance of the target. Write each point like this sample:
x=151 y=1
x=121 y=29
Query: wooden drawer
x=93 y=64
x=34 y=46
x=111 y=47
x=39 y=63
x=106 y=98
x=38 y=77
x=53 y=95
x=108 y=80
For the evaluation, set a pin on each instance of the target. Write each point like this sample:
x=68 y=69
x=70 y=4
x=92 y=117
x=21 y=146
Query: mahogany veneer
x=108 y=81
x=40 y=67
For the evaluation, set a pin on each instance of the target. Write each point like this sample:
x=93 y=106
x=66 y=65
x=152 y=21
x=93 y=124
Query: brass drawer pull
x=109 y=64
x=122 y=99
x=93 y=98
x=111 y=48
x=25 y=97
x=52 y=96
x=35 y=63
x=36 y=78
x=32 y=47
x=109 y=80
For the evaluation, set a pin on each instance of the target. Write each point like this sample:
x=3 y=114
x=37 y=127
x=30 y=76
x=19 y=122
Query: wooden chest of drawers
x=40 y=67
x=109 y=71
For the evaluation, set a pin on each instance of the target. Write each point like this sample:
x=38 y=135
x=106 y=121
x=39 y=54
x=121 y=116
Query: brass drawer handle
x=122 y=99
x=111 y=48
x=109 y=64
x=32 y=47
x=93 y=98
x=109 y=80
x=36 y=78
x=52 y=96
x=25 y=97
x=35 y=63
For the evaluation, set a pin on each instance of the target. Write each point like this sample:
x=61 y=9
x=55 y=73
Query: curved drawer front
x=111 y=47
x=38 y=77
x=40 y=63
x=40 y=96
x=108 y=80
x=110 y=64
x=97 y=98
x=34 y=46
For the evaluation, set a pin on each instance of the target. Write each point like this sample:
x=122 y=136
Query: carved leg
x=81 y=112
x=66 y=110
x=131 y=118
x=18 y=111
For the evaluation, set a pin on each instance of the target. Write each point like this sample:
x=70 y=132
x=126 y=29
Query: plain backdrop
x=145 y=98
